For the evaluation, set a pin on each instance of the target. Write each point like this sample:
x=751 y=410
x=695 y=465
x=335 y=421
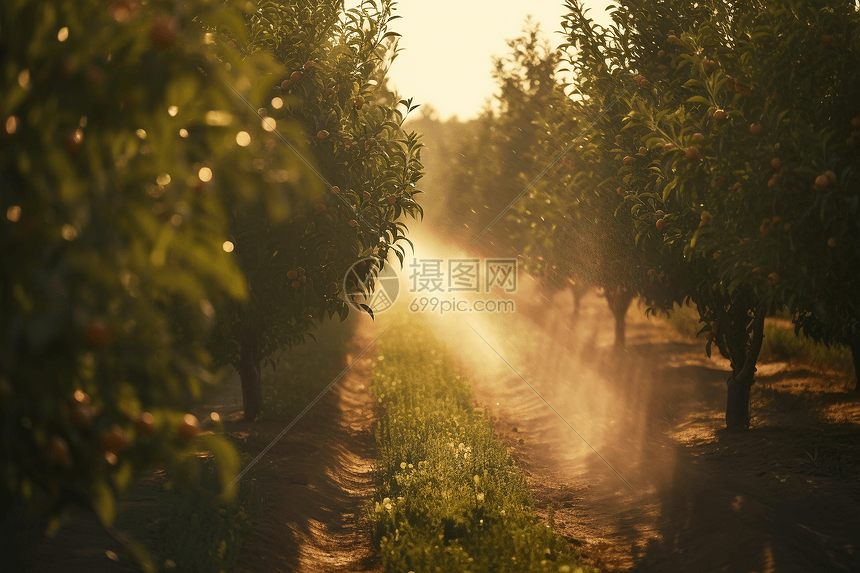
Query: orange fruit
x=831 y=176
x=755 y=128
x=113 y=439
x=660 y=224
x=57 y=451
x=309 y=64
x=285 y=85
x=831 y=242
x=698 y=137
x=292 y=274
x=189 y=427
x=73 y=142
x=296 y=76
x=322 y=134
x=97 y=334
x=162 y=32
x=776 y=162
x=822 y=181
x=668 y=147
x=145 y=424
x=693 y=154
x=627 y=159
x=773 y=279
x=392 y=199
x=720 y=115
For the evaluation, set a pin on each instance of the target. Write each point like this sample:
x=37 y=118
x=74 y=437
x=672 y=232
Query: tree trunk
x=249 y=373
x=855 y=358
x=619 y=302
x=737 y=404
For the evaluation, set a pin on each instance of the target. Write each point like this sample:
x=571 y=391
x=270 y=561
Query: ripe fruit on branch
x=627 y=159
x=392 y=199
x=755 y=128
x=189 y=427
x=661 y=53
x=643 y=151
x=320 y=207
x=831 y=242
x=113 y=439
x=296 y=76
x=693 y=154
x=162 y=32
x=698 y=137
x=776 y=162
x=73 y=142
x=285 y=85
x=97 y=334
x=773 y=279
x=822 y=181
x=296 y=284
x=709 y=65
x=57 y=451
x=660 y=224
x=309 y=64
x=831 y=176
x=322 y=134
x=335 y=189
x=720 y=115
x=668 y=146
x=292 y=274
x=352 y=223
x=705 y=220
x=145 y=424
x=672 y=38
x=771 y=183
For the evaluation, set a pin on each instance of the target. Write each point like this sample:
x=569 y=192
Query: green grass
x=449 y=498
x=780 y=343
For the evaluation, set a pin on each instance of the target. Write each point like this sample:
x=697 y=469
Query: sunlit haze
x=448 y=47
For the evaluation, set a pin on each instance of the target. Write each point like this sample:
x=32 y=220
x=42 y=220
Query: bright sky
x=448 y=46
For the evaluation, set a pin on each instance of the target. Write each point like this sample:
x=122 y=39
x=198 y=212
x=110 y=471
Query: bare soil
x=781 y=497
x=317 y=479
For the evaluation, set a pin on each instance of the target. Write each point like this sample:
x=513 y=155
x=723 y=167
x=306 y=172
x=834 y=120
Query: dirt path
x=783 y=497
x=315 y=482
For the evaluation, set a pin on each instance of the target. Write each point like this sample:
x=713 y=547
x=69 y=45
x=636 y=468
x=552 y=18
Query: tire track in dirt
x=316 y=480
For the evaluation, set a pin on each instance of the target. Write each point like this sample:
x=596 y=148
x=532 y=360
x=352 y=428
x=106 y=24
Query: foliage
x=449 y=498
x=118 y=172
x=494 y=164
x=743 y=189
x=338 y=113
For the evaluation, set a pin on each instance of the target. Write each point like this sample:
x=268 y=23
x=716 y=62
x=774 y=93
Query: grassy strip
x=449 y=496
x=780 y=343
